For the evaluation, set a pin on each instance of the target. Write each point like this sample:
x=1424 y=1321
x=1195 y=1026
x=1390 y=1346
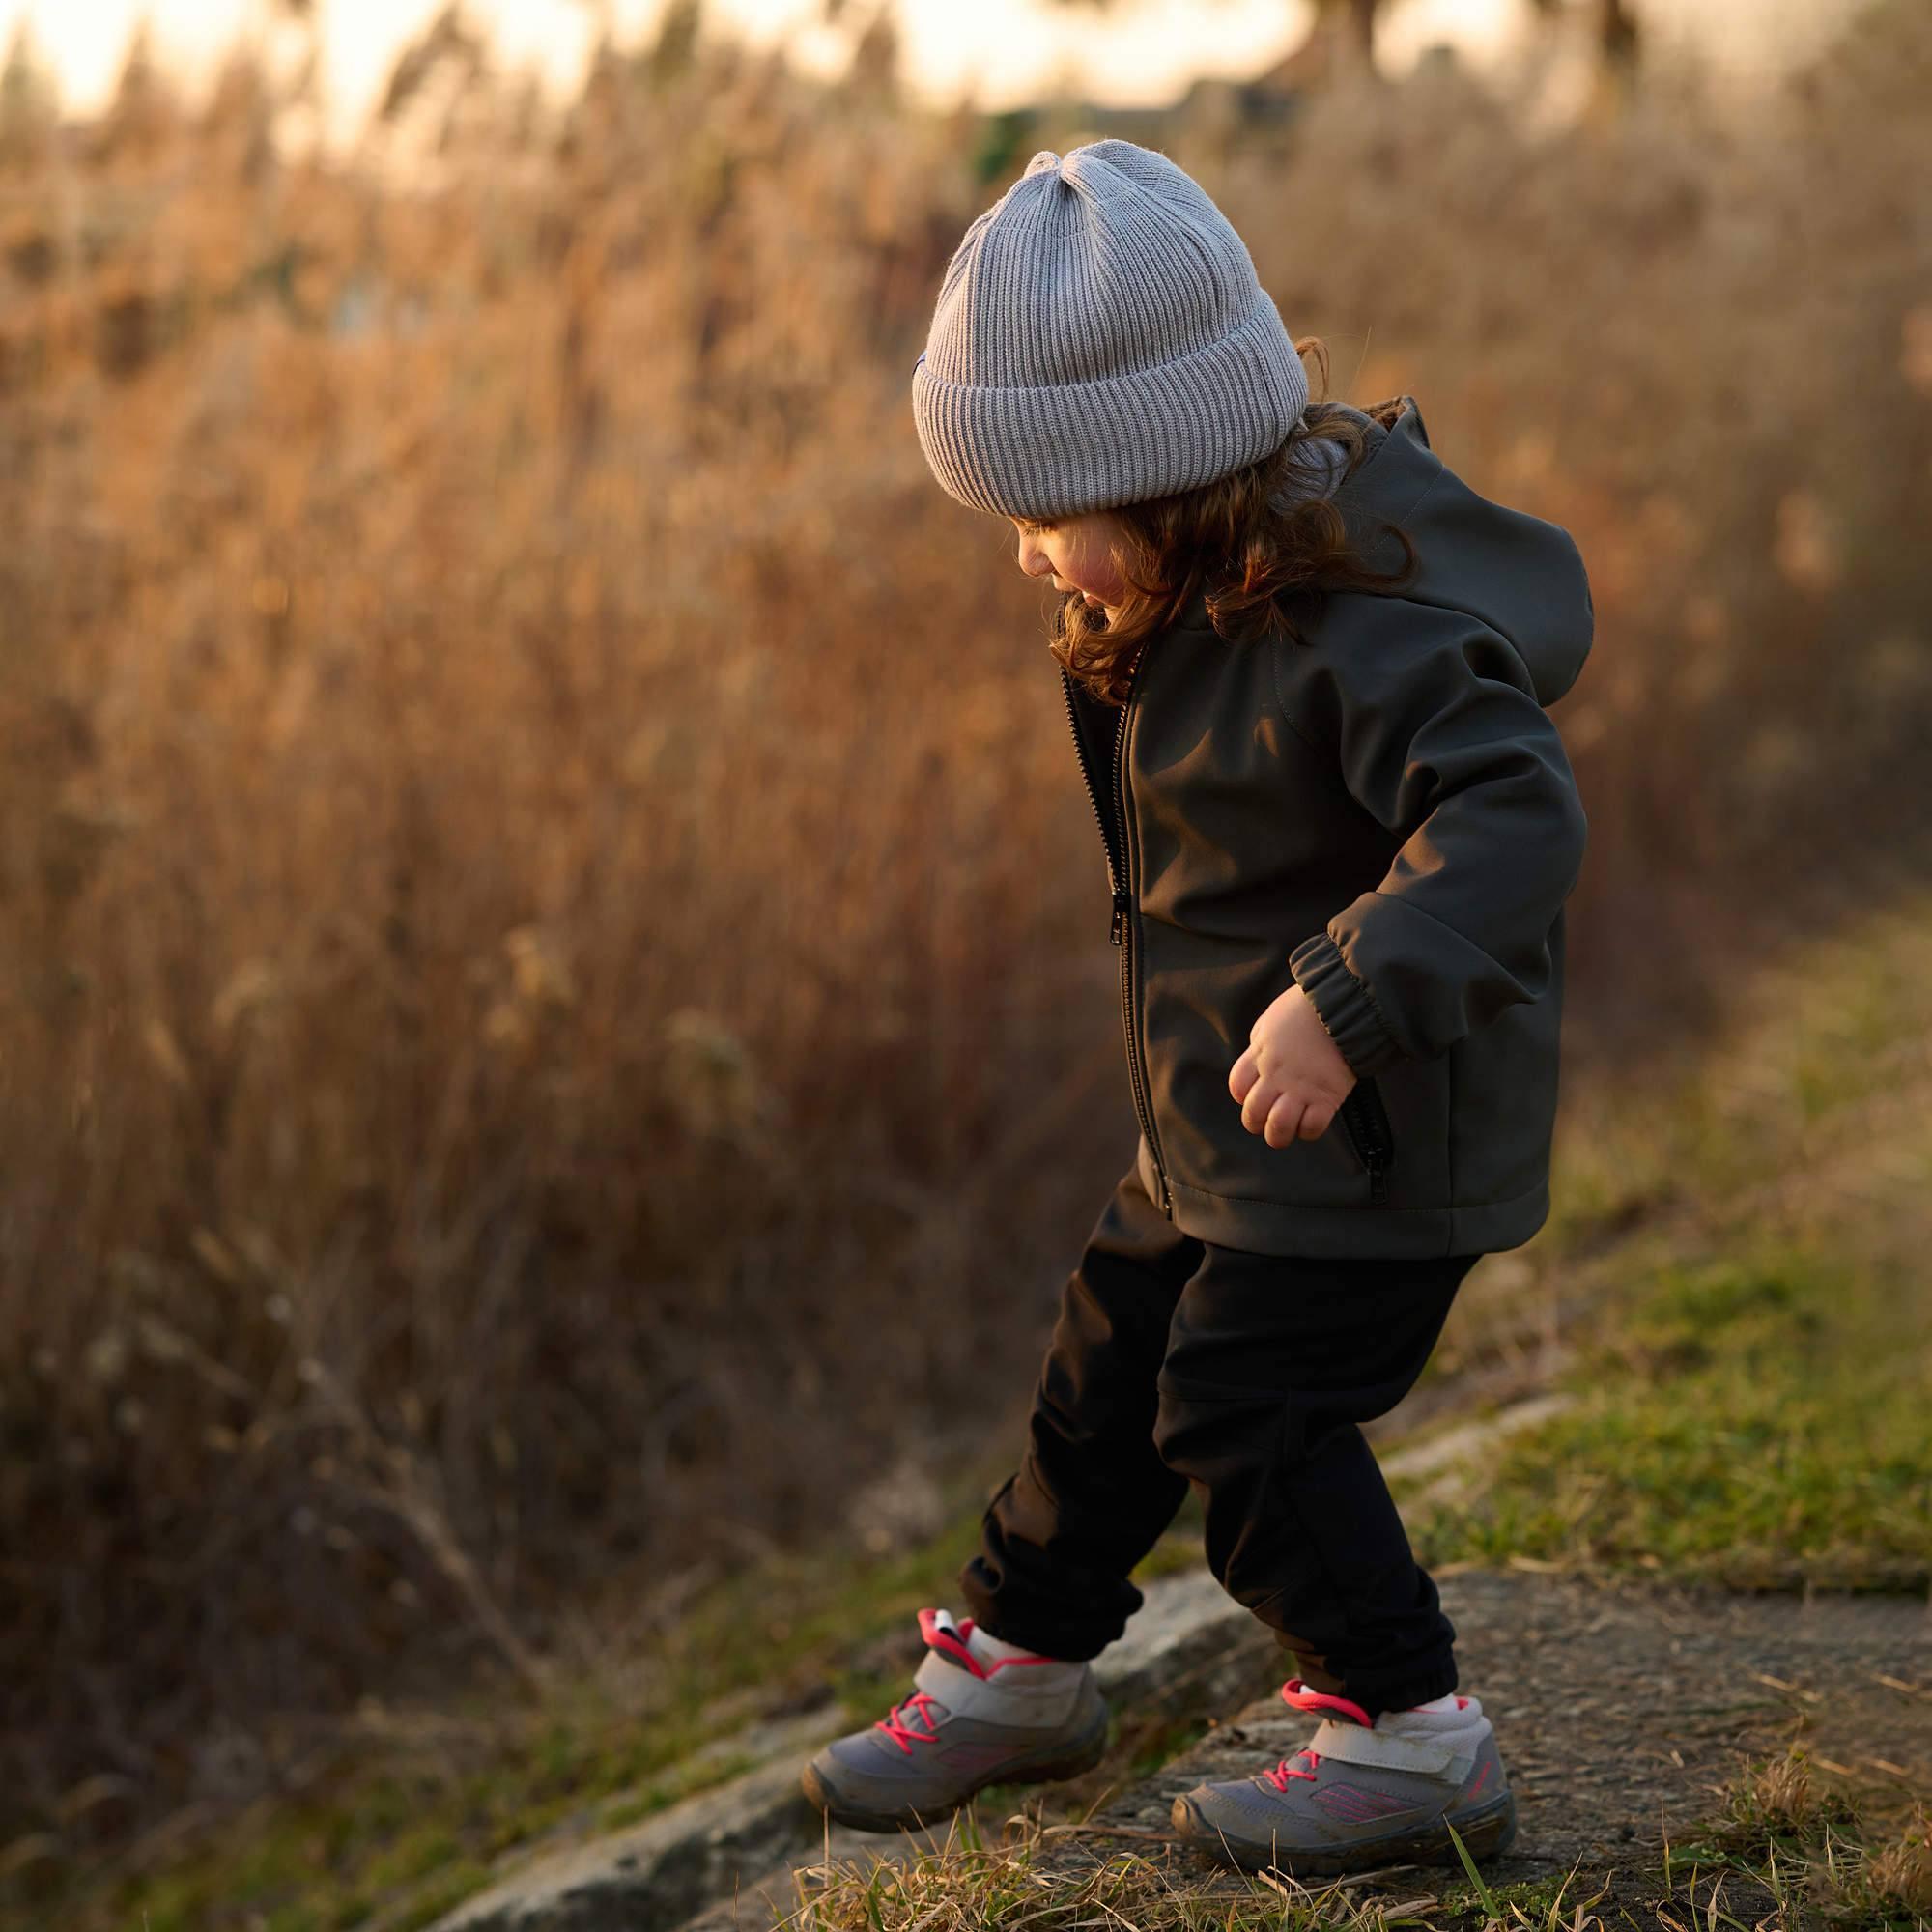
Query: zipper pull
x=1378 y=1187
x=1120 y=917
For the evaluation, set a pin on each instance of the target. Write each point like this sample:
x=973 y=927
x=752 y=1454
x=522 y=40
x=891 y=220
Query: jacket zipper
x=1120 y=883
x=1367 y=1123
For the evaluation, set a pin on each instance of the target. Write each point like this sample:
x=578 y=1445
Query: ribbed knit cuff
x=1345 y=1006
x=1058 y=449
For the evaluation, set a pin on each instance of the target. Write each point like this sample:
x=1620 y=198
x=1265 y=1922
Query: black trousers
x=1175 y=1361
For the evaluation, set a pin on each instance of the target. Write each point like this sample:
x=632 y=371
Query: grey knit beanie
x=1100 y=338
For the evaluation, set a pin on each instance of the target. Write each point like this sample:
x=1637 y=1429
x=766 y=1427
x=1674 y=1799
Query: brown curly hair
x=1261 y=551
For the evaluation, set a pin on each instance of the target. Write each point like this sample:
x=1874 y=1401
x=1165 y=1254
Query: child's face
x=1075 y=551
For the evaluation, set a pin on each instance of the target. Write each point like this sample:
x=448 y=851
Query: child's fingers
x=1284 y=1122
x=1242 y=1076
x=1316 y=1118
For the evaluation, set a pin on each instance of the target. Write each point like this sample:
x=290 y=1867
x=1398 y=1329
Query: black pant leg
x=1271 y=1365
x=1092 y=1495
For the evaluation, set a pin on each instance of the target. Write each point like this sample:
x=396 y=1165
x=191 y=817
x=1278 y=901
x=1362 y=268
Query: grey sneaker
x=968 y=1723
x=1363 y=1792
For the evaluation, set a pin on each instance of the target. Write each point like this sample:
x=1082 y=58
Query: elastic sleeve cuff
x=1345 y=1006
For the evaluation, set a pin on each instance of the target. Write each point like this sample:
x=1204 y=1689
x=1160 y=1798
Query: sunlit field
x=555 y=1009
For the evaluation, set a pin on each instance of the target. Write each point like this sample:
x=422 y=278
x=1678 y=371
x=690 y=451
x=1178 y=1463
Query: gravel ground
x=1620 y=1709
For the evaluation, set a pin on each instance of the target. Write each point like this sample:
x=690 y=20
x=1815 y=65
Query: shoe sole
x=1050 y=1766
x=1484 y=1831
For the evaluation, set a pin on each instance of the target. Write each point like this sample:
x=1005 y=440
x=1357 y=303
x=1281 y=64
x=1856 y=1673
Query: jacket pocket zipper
x=1364 y=1117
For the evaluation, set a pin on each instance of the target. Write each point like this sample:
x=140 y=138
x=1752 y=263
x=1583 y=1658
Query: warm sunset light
x=1007 y=50
x=611 y=1298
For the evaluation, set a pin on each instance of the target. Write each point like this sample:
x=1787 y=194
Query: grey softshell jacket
x=1383 y=814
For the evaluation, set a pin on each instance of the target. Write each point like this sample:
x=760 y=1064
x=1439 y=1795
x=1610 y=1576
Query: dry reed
x=550 y=961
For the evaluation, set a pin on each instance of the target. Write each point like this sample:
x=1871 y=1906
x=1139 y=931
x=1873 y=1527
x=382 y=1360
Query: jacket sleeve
x=1440 y=738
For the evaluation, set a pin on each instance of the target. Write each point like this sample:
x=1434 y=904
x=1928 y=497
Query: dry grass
x=1816 y=1851
x=1895 y=1882
x=1774 y=1800
x=1777 y=1850
x=547 y=927
x=1056 y=1878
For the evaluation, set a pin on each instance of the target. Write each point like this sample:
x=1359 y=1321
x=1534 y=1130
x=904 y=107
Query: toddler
x=1306 y=670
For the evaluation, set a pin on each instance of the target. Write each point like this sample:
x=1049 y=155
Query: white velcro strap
x=951 y=1683
x=1022 y=1694
x=1353 y=1743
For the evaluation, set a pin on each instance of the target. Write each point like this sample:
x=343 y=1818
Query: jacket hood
x=1521 y=576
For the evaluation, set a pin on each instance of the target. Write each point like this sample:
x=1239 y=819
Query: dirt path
x=1620 y=1711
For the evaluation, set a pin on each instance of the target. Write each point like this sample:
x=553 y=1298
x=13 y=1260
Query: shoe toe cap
x=1187 y=1818
x=853 y=1773
x=1209 y=1809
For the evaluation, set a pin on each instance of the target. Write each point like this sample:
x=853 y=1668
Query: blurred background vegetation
x=555 y=1035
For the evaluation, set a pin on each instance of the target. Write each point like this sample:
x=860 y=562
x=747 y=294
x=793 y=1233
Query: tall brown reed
x=551 y=990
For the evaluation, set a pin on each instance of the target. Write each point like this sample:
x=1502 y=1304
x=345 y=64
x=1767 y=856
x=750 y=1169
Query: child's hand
x=1292 y=1076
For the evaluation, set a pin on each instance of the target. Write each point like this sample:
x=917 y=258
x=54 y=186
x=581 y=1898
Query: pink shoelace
x=950 y=1643
x=895 y=1727
x=1298 y=1697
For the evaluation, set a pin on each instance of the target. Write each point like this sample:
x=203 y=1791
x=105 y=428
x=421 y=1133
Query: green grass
x=1757 y=1421
x=1748 y=1374
x=1750 y=1368
x=1533 y=1899
x=422 y=1823
x=413 y=1833
x=1774 y=1854
x=395 y=1825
